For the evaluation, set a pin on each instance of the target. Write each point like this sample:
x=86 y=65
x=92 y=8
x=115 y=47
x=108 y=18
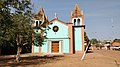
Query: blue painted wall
x=44 y=47
x=62 y=32
x=64 y=42
x=78 y=38
x=36 y=49
x=37 y=31
x=66 y=46
x=61 y=35
x=77 y=34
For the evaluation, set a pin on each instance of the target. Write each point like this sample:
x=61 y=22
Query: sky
x=102 y=17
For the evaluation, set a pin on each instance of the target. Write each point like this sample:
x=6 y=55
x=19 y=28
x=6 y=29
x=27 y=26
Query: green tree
x=116 y=40
x=6 y=24
x=22 y=18
x=94 y=41
x=86 y=37
x=15 y=23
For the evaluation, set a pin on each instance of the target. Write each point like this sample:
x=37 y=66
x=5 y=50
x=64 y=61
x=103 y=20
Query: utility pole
x=85 y=52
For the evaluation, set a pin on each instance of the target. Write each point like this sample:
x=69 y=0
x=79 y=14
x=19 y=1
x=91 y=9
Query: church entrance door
x=55 y=46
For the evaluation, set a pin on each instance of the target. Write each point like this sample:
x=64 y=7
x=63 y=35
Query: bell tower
x=77 y=20
x=40 y=20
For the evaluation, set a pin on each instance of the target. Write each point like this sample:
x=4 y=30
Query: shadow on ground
x=34 y=60
x=89 y=51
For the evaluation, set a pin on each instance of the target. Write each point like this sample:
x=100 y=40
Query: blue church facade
x=62 y=37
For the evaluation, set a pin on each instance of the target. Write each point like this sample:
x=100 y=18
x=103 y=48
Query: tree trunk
x=19 y=48
x=18 y=54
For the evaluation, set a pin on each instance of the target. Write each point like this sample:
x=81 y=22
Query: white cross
x=55 y=15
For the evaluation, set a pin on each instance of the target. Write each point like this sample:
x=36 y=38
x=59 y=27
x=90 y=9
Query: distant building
x=116 y=44
x=63 y=37
x=107 y=45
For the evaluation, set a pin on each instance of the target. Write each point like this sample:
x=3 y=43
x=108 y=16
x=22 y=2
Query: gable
x=59 y=21
x=62 y=30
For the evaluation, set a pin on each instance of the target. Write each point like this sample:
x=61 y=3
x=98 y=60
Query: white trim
x=60 y=47
x=76 y=20
x=48 y=48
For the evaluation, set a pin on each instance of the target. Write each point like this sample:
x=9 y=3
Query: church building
x=62 y=37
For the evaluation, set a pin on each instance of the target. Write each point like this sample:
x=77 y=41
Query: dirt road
x=99 y=58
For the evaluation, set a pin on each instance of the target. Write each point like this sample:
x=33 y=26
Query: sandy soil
x=98 y=58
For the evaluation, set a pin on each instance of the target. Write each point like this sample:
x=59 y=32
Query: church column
x=71 y=37
x=83 y=47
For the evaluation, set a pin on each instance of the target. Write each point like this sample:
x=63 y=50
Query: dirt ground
x=97 y=58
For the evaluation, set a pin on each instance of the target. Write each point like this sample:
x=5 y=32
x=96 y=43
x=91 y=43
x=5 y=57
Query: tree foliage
x=116 y=40
x=94 y=41
x=86 y=37
x=15 y=17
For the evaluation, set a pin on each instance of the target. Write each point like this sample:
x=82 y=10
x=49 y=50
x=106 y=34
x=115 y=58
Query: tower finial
x=71 y=13
x=77 y=11
x=82 y=13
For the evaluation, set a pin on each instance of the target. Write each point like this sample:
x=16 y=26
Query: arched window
x=74 y=21
x=78 y=22
x=40 y=23
x=36 y=23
